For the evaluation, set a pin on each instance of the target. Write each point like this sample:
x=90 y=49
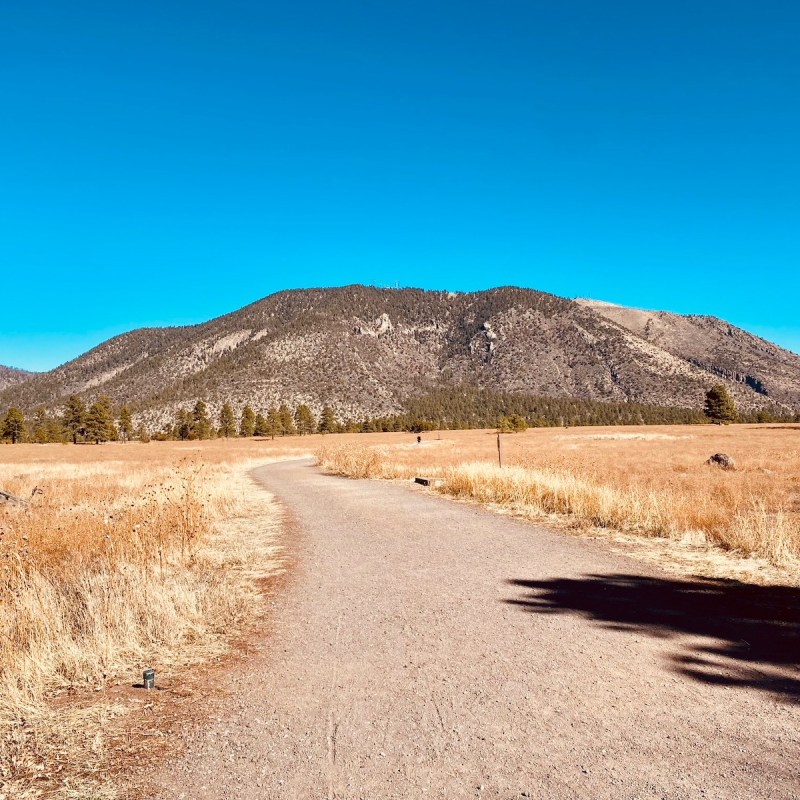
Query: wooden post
x=499 y=452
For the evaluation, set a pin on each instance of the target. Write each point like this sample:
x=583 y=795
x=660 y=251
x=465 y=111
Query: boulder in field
x=722 y=460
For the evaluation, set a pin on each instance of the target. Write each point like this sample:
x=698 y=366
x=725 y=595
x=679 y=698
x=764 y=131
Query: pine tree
x=13 y=425
x=504 y=425
x=274 y=422
x=100 y=421
x=40 y=433
x=518 y=423
x=201 y=422
x=262 y=426
x=719 y=404
x=327 y=422
x=304 y=419
x=75 y=417
x=227 y=422
x=287 y=425
x=247 y=426
x=183 y=425
x=56 y=431
x=125 y=423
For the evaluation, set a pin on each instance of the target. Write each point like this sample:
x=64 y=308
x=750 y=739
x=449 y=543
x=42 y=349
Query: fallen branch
x=7 y=497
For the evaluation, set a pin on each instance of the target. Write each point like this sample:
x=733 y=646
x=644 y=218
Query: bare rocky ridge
x=10 y=376
x=713 y=345
x=363 y=350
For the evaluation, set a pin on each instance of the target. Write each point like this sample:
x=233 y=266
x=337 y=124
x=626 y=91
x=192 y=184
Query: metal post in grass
x=499 y=453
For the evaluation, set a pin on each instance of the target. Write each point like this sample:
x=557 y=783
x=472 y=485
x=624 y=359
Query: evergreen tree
x=227 y=422
x=287 y=425
x=262 y=426
x=100 y=421
x=111 y=432
x=327 y=422
x=416 y=426
x=56 y=431
x=13 y=425
x=304 y=419
x=247 y=426
x=125 y=423
x=201 y=422
x=504 y=425
x=518 y=423
x=183 y=425
x=274 y=422
x=40 y=432
x=719 y=404
x=75 y=417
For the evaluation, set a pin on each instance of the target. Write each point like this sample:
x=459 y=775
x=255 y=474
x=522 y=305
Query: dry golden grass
x=650 y=481
x=149 y=555
x=132 y=556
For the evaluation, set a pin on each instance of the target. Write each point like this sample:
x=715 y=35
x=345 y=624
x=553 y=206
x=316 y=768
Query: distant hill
x=714 y=346
x=9 y=376
x=365 y=351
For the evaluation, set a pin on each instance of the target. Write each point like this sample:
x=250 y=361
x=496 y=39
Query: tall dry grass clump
x=352 y=461
x=742 y=524
x=93 y=574
x=113 y=567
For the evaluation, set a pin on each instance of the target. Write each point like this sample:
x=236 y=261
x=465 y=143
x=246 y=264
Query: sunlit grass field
x=651 y=481
x=125 y=556
x=133 y=555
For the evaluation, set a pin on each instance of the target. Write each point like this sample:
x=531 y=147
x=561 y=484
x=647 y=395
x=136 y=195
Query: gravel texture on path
x=429 y=648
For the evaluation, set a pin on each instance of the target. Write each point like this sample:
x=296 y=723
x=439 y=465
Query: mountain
x=9 y=376
x=714 y=346
x=364 y=351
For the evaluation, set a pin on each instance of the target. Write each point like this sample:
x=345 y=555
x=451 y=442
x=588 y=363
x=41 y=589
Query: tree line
x=99 y=422
x=470 y=407
x=197 y=423
x=450 y=408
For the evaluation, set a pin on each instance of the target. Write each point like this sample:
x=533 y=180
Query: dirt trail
x=429 y=648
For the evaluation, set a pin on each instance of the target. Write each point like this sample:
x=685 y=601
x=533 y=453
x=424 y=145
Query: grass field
x=645 y=481
x=127 y=556
x=150 y=555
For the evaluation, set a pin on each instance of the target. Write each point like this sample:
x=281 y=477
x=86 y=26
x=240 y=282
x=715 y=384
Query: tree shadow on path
x=750 y=635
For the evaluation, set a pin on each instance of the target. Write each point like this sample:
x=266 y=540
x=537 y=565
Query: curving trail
x=427 y=648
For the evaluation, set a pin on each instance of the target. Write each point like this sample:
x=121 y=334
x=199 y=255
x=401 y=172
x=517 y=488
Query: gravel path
x=427 y=648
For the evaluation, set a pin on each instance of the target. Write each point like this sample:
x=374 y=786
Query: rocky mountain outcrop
x=364 y=350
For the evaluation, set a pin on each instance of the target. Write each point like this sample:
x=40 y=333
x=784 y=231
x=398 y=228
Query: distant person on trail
x=419 y=439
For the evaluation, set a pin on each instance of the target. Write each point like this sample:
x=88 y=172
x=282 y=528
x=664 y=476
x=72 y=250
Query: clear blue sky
x=163 y=163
